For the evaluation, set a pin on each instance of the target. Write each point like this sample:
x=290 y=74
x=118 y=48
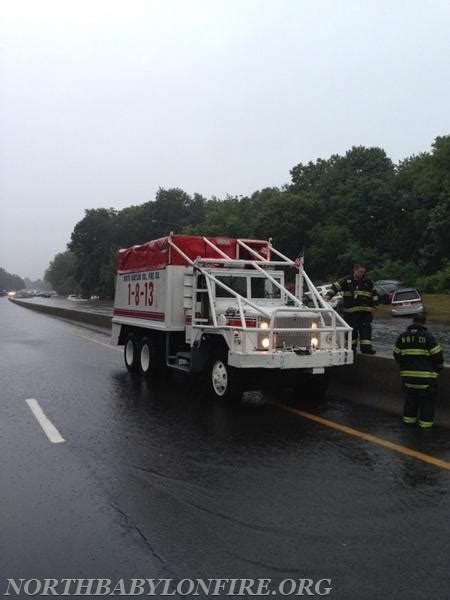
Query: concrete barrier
x=371 y=380
x=70 y=314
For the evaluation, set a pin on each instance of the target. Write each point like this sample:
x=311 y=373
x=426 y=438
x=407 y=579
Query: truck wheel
x=224 y=381
x=130 y=353
x=147 y=360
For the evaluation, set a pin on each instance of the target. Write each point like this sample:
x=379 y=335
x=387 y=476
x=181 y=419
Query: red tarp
x=157 y=253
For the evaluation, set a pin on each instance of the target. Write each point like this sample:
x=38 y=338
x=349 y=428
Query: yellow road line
x=437 y=462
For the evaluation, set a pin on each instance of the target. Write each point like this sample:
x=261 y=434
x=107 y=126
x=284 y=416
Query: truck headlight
x=265 y=343
x=314 y=342
x=264 y=325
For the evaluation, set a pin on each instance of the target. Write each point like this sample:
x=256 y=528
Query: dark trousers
x=419 y=404
x=362 y=329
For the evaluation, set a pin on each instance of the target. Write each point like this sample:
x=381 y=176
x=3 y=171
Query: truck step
x=181 y=361
x=184 y=368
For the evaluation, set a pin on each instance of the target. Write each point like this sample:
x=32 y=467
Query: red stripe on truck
x=139 y=314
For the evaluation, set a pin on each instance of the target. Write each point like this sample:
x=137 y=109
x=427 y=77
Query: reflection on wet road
x=156 y=480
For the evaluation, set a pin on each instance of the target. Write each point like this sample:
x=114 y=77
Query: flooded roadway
x=156 y=480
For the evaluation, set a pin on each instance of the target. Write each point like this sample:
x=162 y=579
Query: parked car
x=405 y=302
x=24 y=294
x=385 y=289
x=335 y=302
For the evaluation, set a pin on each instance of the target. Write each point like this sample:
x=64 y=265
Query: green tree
x=10 y=282
x=61 y=273
x=94 y=246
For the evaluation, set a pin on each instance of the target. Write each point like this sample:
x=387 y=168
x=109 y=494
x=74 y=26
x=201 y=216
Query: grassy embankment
x=436 y=305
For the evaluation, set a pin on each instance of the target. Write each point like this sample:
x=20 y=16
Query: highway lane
x=155 y=480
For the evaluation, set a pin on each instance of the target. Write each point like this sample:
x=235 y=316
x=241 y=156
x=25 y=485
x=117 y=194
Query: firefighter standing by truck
x=360 y=298
x=420 y=359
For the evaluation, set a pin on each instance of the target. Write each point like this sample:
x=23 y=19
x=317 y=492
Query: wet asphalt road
x=155 y=480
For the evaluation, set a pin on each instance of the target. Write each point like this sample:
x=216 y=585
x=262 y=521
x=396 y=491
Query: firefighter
x=420 y=359
x=360 y=298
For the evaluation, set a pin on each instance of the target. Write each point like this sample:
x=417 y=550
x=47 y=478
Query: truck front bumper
x=280 y=359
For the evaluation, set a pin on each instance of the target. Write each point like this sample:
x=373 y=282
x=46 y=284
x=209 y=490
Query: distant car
x=389 y=281
x=406 y=302
x=385 y=289
x=76 y=298
x=335 y=302
x=43 y=295
x=3 y=293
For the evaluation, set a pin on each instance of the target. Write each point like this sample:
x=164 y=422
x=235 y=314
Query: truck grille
x=296 y=338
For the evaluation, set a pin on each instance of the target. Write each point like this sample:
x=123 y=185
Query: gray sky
x=102 y=102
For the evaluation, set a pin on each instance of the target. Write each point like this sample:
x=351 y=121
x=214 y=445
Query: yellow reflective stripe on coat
x=397 y=350
x=337 y=285
x=417 y=386
x=358 y=309
x=361 y=293
x=414 y=352
x=436 y=350
x=409 y=419
x=430 y=374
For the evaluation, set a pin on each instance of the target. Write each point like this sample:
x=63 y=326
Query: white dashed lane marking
x=49 y=429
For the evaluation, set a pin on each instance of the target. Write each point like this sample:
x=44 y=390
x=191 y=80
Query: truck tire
x=130 y=353
x=147 y=357
x=225 y=382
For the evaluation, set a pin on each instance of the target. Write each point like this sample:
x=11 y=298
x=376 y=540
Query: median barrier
x=370 y=380
x=70 y=314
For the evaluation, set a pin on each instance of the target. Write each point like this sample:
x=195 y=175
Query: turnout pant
x=362 y=329
x=419 y=404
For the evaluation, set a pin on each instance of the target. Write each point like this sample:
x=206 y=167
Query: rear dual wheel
x=147 y=362
x=142 y=355
x=131 y=353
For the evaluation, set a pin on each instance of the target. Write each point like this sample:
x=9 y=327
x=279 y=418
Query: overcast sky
x=102 y=102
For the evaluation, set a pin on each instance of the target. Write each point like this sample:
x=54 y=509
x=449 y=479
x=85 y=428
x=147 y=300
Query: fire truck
x=221 y=307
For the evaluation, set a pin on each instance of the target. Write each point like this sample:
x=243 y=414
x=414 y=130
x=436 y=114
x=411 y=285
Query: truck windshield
x=237 y=284
x=263 y=288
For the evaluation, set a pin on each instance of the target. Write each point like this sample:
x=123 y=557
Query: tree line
x=356 y=207
x=8 y=281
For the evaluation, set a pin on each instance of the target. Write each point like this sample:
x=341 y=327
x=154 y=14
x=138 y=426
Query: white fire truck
x=220 y=306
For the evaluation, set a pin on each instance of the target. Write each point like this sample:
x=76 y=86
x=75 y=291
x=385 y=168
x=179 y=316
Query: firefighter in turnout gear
x=360 y=298
x=420 y=359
